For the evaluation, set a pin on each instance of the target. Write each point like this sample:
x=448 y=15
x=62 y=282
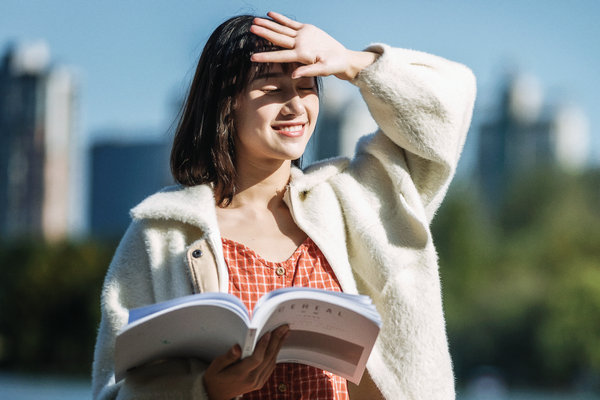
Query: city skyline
x=39 y=156
x=134 y=63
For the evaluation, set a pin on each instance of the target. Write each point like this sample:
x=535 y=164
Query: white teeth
x=291 y=128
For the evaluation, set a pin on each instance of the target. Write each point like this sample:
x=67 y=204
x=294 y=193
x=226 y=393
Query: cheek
x=265 y=114
x=250 y=122
x=249 y=113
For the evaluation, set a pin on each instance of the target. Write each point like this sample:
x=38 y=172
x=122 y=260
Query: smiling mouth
x=290 y=130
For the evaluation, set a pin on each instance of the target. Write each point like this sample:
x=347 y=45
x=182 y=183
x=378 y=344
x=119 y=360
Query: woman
x=243 y=210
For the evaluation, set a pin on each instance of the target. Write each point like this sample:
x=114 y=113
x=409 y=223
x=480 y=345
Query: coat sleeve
x=128 y=285
x=389 y=194
x=423 y=104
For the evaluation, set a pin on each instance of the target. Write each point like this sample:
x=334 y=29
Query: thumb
x=224 y=361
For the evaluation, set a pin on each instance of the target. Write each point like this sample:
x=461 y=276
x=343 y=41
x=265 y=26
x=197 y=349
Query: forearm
x=169 y=379
x=421 y=101
x=128 y=284
x=423 y=104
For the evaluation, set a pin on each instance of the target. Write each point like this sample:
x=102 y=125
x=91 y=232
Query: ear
x=235 y=104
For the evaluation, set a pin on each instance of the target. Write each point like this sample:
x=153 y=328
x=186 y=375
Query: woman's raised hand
x=306 y=44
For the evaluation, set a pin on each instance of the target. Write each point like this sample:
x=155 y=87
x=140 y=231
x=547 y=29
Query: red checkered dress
x=250 y=277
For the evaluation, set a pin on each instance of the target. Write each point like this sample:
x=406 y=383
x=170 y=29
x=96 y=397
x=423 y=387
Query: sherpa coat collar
x=191 y=205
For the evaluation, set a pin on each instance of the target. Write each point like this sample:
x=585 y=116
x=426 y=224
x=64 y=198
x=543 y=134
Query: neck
x=261 y=186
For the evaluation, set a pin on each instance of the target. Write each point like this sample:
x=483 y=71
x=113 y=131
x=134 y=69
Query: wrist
x=211 y=393
x=358 y=60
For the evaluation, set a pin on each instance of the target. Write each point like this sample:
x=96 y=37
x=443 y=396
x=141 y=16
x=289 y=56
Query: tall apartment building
x=123 y=173
x=526 y=133
x=343 y=119
x=37 y=114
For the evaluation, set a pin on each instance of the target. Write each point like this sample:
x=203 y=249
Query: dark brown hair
x=203 y=148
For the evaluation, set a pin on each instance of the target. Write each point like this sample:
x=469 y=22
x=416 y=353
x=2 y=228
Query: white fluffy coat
x=370 y=216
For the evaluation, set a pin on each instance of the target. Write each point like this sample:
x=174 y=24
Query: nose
x=293 y=106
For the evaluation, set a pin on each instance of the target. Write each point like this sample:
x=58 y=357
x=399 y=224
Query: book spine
x=249 y=343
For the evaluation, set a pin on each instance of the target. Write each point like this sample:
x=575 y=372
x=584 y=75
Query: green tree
x=522 y=286
x=49 y=304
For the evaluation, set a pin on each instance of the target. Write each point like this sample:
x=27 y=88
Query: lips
x=295 y=130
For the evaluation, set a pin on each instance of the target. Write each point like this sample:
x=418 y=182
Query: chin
x=295 y=156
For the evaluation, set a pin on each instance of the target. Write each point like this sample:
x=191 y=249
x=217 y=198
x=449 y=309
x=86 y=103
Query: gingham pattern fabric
x=250 y=277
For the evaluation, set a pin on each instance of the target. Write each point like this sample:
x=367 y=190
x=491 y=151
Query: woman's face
x=275 y=116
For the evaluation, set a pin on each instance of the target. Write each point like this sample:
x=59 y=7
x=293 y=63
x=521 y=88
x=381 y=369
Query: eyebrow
x=270 y=75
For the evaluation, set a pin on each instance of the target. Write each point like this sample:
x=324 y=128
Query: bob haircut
x=203 y=149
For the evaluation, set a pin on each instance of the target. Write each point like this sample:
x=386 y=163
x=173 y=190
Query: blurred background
x=89 y=95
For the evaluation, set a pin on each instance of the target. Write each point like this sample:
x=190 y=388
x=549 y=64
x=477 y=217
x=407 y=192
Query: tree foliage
x=522 y=284
x=49 y=304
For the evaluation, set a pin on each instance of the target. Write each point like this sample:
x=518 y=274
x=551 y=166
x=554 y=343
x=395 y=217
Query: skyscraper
x=343 y=119
x=526 y=134
x=36 y=144
x=123 y=173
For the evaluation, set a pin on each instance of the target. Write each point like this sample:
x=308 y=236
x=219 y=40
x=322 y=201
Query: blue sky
x=134 y=57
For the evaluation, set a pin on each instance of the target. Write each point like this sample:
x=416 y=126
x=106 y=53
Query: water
x=489 y=385
x=528 y=395
x=24 y=387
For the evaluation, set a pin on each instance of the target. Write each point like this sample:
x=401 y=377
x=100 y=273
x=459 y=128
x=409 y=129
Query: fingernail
x=283 y=331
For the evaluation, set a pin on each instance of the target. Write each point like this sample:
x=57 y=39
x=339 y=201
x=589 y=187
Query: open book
x=328 y=330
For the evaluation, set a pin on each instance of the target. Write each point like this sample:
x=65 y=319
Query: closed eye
x=271 y=89
x=307 y=85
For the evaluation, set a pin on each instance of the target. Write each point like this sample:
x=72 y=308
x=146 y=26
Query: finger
x=227 y=359
x=252 y=362
x=274 y=26
x=264 y=374
x=279 y=56
x=277 y=339
x=277 y=39
x=310 y=70
x=283 y=20
x=261 y=347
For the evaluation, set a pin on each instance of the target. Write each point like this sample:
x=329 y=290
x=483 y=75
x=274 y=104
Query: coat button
x=282 y=387
x=280 y=271
x=197 y=253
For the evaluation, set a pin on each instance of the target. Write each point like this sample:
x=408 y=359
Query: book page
x=224 y=300
x=197 y=331
x=323 y=334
